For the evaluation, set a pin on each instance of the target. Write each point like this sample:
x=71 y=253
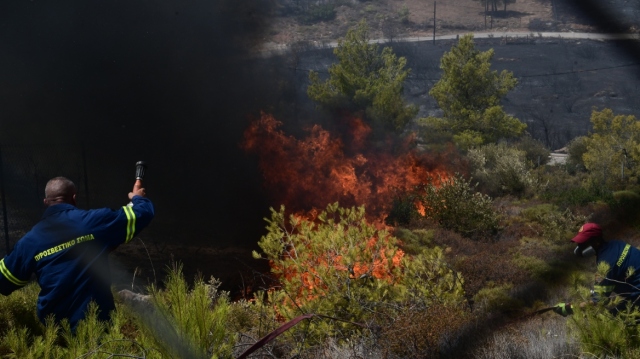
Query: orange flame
x=308 y=174
x=315 y=171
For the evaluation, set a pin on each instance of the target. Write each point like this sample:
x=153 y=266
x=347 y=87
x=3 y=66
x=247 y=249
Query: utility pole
x=434 y=22
x=486 y=9
x=4 y=205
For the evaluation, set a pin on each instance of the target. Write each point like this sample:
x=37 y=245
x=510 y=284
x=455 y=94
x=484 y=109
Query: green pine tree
x=469 y=94
x=366 y=80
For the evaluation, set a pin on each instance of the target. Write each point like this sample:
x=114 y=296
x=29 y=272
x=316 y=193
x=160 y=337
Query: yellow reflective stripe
x=603 y=288
x=7 y=274
x=131 y=222
x=623 y=255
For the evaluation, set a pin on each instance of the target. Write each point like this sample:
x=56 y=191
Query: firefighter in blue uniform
x=620 y=257
x=68 y=252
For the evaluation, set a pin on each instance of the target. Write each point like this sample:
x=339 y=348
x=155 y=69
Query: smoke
x=164 y=81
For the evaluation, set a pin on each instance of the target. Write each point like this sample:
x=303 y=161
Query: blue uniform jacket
x=620 y=257
x=68 y=251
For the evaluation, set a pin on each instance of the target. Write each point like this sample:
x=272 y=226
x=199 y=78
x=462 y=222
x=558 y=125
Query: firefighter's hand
x=563 y=309
x=137 y=190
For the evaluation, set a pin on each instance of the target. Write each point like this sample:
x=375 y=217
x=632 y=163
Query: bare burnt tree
x=569 y=89
x=493 y=5
x=542 y=122
x=390 y=29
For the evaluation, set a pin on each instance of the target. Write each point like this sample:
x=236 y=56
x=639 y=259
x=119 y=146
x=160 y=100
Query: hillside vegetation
x=312 y=21
x=458 y=267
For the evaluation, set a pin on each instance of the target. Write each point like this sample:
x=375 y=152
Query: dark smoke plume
x=167 y=81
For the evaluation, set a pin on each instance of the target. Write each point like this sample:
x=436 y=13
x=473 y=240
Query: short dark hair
x=59 y=189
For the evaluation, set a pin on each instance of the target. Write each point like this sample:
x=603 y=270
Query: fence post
x=86 y=178
x=4 y=203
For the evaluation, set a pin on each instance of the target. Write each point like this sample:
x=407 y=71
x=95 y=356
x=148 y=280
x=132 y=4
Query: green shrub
x=576 y=150
x=403 y=14
x=625 y=206
x=535 y=152
x=18 y=310
x=454 y=204
x=556 y=226
x=183 y=323
x=414 y=241
x=501 y=169
x=567 y=190
x=318 y=13
x=496 y=298
x=601 y=330
x=341 y=266
x=602 y=333
x=485 y=264
x=192 y=321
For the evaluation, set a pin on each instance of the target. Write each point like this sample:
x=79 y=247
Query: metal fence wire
x=24 y=172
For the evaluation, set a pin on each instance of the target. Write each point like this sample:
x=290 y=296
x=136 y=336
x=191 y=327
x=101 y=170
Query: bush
x=418 y=334
x=556 y=226
x=318 y=13
x=18 y=310
x=573 y=191
x=540 y=338
x=603 y=334
x=183 y=323
x=403 y=14
x=501 y=169
x=454 y=204
x=341 y=266
x=536 y=154
x=494 y=298
x=414 y=241
x=625 y=207
x=576 y=150
x=190 y=321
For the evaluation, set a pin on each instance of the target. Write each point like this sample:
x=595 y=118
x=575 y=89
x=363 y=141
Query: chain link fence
x=24 y=172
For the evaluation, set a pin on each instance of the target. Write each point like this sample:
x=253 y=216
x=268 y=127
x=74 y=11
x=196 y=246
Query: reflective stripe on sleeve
x=602 y=289
x=131 y=223
x=623 y=255
x=7 y=274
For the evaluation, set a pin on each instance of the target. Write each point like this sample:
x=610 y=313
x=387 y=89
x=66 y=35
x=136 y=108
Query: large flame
x=307 y=174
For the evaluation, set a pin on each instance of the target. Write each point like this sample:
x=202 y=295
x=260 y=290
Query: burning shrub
x=340 y=266
x=320 y=169
x=454 y=204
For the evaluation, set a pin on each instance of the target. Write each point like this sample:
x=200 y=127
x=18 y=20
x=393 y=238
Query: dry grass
x=541 y=338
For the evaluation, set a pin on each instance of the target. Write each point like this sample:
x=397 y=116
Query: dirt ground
x=452 y=16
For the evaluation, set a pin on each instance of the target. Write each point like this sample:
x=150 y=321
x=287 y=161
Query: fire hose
x=539 y=311
x=286 y=326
